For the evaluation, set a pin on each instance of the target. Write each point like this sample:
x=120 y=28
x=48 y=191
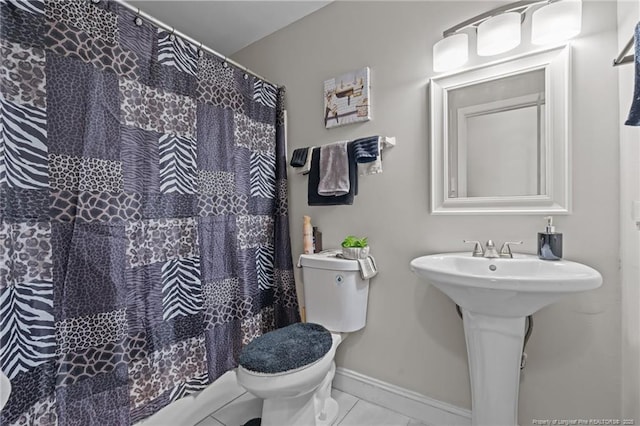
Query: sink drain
x=492 y=267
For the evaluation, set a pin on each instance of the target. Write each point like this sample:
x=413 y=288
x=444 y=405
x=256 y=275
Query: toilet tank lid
x=328 y=260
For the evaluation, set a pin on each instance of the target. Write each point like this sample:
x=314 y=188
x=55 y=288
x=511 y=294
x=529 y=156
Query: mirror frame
x=556 y=63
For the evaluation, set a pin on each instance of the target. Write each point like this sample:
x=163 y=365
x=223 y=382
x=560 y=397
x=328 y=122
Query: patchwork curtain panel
x=143 y=212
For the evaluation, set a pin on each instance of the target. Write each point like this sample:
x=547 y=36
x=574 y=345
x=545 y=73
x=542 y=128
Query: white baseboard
x=409 y=403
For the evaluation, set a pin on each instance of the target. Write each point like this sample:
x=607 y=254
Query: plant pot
x=355 y=252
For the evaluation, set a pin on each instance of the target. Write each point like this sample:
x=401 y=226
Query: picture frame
x=347 y=98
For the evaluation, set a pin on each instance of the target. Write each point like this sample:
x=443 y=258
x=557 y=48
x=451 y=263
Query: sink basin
x=495 y=296
x=504 y=287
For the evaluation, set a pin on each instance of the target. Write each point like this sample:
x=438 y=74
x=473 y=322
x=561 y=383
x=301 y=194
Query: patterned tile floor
x=353 y=411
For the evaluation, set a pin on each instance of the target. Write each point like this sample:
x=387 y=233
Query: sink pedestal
x=494 y=349
x=496 y=296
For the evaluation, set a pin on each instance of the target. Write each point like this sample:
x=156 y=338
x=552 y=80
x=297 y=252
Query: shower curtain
x=143 y=212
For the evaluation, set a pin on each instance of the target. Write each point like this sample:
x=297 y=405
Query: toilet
x=292 y=368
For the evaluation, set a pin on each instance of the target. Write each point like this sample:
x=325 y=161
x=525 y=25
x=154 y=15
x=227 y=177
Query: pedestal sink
x=496 y=295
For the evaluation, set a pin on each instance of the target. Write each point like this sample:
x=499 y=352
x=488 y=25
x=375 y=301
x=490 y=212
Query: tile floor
x=353 y=412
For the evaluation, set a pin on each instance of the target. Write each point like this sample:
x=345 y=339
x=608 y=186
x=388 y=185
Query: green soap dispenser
x=550 y=242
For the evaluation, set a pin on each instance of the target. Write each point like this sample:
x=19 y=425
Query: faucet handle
x=505 y=251
x=477 y=249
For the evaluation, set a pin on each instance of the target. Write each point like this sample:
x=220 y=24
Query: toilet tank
x=335 y=295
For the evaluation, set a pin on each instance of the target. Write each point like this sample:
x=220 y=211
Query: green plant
x=352 y=241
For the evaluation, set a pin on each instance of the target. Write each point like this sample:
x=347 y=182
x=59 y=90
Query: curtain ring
x=200 y=51
x=138 y=19
x=172 y=36
x=225 y=63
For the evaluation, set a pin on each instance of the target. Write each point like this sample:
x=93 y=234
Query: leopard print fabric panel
x=282 y=198
x=213 y=71
x=248 y=237
x=159 y=240
x=254 y=135
x=156 y=110
x=220 y=292
x=285 y=285
x=25 y=250
x=42 y=413
x=86 y=17
x=22 y=74
x=68 y=173
x=20 y=205
x=22 y=27
x=220 y=183
x=164 y=369
x=78 y=333
x=257 y=325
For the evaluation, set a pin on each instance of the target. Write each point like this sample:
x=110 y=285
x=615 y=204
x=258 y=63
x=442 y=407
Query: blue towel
x=634 y=114
x=366 y=150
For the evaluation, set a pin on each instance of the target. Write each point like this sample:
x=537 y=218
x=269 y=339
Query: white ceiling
x=228 y=26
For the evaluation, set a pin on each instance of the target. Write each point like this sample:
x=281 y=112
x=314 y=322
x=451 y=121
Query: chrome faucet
x=490 y=251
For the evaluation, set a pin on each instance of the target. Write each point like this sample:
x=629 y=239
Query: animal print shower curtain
x=143 y=212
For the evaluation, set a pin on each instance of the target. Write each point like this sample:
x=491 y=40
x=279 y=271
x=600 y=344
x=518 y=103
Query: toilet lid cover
x=287 y=348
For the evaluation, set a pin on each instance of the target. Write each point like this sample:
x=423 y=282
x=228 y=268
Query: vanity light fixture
x=499 y=30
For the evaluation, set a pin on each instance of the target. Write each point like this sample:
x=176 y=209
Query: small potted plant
x=355 y=248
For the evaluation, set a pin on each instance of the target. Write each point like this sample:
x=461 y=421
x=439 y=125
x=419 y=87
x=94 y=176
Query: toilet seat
x=291 y=383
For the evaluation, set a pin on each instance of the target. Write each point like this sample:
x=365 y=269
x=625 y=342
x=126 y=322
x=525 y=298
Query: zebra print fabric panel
x=144 y=227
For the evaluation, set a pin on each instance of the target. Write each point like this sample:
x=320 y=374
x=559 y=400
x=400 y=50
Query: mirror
x=500 y=137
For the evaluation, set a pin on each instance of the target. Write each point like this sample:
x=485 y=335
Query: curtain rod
x=191 y=40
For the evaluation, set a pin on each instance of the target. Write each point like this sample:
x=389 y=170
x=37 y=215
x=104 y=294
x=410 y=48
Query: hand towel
x=304 y=170
x=366 y=149
x=368 y=267
x=334 y=170
x=314 y=199
x=375 y=166
x=299 y=157
x=634 y=114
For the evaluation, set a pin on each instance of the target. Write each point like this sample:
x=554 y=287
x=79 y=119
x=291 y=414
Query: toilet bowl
x=336 y=301
x=296 y=397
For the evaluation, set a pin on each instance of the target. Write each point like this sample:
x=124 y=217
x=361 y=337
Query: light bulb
x=499 y=34
x=450 y=52
x=556 y=22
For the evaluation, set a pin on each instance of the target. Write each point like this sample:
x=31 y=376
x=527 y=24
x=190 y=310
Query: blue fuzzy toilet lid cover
x=287 y=348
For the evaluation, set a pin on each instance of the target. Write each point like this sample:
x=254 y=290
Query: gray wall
x=413 y=337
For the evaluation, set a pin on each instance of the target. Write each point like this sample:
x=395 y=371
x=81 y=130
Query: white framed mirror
x=500 y=137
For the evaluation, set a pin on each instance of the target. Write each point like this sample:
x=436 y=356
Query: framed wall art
x=347 y=99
